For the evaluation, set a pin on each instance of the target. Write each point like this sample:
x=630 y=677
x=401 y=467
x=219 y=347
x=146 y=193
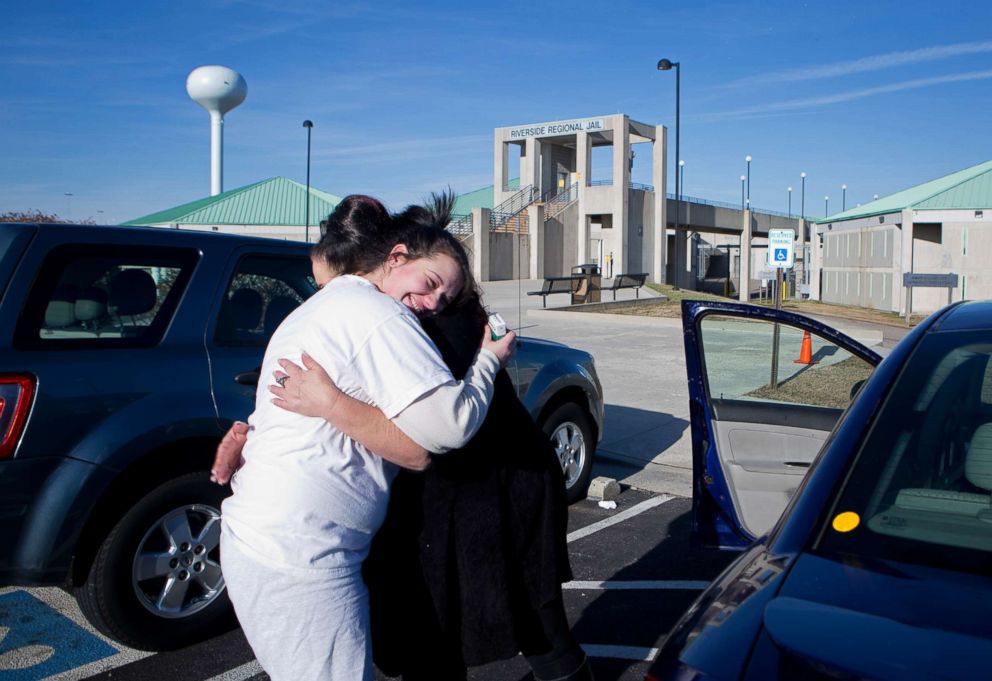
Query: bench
x=556 y=285
x=634 y=281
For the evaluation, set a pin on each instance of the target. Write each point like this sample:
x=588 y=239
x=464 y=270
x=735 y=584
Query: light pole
x=790 y=202
x=666 y=65
x=748 y=159
x=802 y=204
x=742 y=192
x=681 y=178
x=826 y=206
x=306 y=211
x=68 y=206
x=843 y=197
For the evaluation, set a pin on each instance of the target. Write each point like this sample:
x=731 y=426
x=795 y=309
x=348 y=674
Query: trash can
x=589 y=285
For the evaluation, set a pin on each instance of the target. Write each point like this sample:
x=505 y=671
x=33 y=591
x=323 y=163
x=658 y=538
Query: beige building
x=555 y=215
x=940 y=227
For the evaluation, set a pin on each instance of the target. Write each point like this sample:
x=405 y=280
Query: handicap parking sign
x=780 y=247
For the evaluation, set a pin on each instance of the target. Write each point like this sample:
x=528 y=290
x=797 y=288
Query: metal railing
x=554 y=205
x=460 y=225
x=502 y=213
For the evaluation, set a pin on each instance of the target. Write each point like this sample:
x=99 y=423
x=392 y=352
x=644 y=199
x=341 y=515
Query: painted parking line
x=635 y=510
x=621 y=652
x=648 y=585
x=242 y=673
x=36 y=641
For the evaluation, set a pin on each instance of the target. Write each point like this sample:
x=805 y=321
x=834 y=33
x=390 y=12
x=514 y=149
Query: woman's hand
x=228 y=458
x=306 y=390
x=502 y=348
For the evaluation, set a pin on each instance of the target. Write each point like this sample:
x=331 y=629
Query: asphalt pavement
x=641 y=363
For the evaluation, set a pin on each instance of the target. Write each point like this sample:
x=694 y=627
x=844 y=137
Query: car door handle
x=797 y=464
x=248 y=377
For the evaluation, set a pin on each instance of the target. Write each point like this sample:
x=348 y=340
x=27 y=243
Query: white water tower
x=217 y=89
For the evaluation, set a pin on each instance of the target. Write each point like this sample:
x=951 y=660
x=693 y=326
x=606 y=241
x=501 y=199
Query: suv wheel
x=572 y=437
x=156 y=583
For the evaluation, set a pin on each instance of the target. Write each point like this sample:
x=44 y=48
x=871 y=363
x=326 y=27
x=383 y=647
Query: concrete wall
x=637 y=222
x=864 y=260
x=554 y=239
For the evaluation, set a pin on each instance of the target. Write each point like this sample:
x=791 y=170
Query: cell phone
x=497 y=327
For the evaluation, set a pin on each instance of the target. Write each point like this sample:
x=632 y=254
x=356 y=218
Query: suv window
x=812 y=371
x=104 y=296
x=262 y=291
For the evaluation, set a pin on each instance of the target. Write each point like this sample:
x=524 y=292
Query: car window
x=94 y=296
x=261 y=293
x=739 y=358
x=921 y=486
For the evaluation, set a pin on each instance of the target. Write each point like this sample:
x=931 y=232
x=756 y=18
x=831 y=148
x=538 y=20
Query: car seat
x=977 y=471
x=278 y=309
x=61 y=310
x=91 y=307
x=242 y=315
x=132 y=292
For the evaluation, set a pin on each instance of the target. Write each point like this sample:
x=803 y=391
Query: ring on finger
x=282 y=381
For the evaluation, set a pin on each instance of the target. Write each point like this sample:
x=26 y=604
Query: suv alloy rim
x=176 y=569
x=570 y=447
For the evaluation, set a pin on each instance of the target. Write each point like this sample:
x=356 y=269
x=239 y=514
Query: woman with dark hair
x=309 y=495
x=468 y=566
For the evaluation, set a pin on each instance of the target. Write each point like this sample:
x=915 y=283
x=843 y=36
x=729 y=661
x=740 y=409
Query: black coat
x=474 y=545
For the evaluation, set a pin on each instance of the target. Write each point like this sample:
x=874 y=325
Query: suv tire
x=572 y=437
x=155 y=582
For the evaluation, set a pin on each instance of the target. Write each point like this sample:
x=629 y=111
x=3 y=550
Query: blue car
x=866 y=522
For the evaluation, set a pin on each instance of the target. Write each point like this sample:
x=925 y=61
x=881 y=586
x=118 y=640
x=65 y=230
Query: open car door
x=759 y=416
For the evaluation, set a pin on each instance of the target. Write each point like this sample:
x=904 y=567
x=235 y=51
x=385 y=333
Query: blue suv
x=125 y=354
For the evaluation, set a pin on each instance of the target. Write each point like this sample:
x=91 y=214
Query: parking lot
x=634 y=570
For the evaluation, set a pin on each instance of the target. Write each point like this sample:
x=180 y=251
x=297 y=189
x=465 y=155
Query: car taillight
x=16 y=392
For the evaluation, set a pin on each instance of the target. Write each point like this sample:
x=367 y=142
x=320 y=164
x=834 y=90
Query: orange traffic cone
x=806 y=352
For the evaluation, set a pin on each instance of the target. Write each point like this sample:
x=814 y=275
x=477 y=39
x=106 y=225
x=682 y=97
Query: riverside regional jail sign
x=557 y=128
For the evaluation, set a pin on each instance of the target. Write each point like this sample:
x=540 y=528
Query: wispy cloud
x=837 y=98
x=415 y=148
x=873 y=63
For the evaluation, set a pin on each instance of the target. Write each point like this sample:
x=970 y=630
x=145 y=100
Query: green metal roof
x=970 y=188
x=480 y=198
x=276 y=201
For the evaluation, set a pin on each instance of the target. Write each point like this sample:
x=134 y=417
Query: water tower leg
x=216 y=153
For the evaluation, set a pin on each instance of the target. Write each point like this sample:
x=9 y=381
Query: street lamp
x=802 y=205
x=790 y=202
x=68 y=206
x=742 y=192
x=681 y=178
x=306 y=211
x=826 y=206
x=666 y=65
x=748 y=159
x=843 y=197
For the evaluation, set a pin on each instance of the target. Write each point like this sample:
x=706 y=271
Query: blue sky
x=404 y=96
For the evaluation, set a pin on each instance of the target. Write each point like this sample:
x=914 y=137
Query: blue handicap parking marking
x=40 y=642
x=781 y=254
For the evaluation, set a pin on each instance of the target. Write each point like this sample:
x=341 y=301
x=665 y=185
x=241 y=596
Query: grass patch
x=823 y=385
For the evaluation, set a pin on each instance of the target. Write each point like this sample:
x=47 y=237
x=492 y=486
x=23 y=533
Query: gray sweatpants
x=302 y=624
